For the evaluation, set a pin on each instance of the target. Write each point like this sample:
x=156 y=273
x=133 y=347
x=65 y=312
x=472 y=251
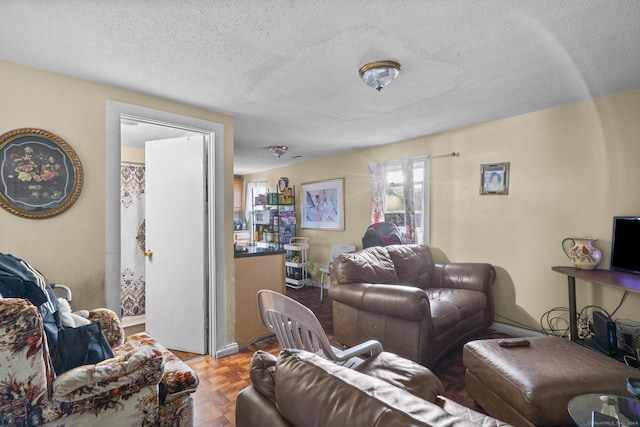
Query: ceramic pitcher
x=581 y=252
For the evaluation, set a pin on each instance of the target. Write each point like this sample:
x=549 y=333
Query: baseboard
x=133 y=324
x=228 y=350
x=128 y=321
x=515 y=331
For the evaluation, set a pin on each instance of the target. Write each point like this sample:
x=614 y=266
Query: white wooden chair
x=297 y=327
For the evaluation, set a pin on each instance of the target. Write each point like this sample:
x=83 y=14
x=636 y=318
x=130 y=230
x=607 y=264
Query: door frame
x=215 y=185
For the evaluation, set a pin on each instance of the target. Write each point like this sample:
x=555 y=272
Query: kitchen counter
x=250 y=251
x=258 y=268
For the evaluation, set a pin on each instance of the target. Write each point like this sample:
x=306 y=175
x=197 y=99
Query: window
x=253 y=189
x=400 y=195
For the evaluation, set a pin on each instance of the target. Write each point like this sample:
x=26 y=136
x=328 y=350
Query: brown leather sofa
x=302 y=389
x=414 y=307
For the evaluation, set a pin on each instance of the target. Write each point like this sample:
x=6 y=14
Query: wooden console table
x=616 y=279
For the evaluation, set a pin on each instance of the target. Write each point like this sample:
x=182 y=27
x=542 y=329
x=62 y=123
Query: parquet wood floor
x=222 y=379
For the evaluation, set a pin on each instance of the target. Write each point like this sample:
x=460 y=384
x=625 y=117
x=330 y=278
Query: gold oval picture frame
x=40 y=174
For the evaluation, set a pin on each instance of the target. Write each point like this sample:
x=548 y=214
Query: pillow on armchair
x=262 y=373
x=68 y=318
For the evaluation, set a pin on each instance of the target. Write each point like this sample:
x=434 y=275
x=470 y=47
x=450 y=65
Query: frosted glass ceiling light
x=379 y=74
x=278 y=150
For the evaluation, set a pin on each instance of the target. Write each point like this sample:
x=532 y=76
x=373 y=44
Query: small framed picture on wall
x=494 y=179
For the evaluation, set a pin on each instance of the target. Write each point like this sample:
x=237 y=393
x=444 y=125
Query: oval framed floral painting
x=40 y=174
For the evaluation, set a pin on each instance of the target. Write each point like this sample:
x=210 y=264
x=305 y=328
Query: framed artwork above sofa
x=323 y=205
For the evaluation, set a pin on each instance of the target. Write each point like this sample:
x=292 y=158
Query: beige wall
x=128 y=154
x=572 y=169
x=70 y=248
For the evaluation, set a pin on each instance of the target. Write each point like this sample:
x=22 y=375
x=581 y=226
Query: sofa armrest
x=401 y=301
x=464 y=275
x=110 y=323
x=467 y=414
x=117 y=376
x=254 y=409
x=178 y=379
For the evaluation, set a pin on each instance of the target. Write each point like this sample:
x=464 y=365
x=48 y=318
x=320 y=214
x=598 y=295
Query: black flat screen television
x=625 y=244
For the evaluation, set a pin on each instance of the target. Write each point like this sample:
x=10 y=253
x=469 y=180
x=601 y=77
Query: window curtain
x=132 y=240
x=409 y=200
x=377 y=179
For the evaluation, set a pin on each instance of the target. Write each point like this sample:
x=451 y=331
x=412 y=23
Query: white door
x=176 y=231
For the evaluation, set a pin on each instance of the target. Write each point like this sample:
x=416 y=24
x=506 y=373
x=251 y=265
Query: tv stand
x=616 y=279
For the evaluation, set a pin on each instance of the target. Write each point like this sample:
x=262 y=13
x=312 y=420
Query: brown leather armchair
x=417 y=309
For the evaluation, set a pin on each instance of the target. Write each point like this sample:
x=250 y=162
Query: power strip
x=584 y=328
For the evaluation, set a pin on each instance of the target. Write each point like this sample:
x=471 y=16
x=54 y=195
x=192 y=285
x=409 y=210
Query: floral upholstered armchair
x=143 y=385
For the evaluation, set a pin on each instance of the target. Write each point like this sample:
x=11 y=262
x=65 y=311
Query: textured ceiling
x=287 y=71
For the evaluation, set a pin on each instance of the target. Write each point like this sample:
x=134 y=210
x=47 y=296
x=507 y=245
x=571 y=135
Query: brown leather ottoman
x=532 y=385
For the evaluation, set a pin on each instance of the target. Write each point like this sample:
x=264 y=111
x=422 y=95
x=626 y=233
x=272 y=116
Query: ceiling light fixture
x=379 y=74
x=278 y=150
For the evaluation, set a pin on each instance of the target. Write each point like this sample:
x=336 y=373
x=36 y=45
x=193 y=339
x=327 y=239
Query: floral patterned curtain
x=409 y=208
x=132 y=240
x=377 y=178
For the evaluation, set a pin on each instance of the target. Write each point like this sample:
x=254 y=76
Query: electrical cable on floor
x=583 y=319
x=551 y=329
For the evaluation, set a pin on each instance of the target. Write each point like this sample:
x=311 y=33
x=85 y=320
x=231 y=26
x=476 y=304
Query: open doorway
x=216 y=325
x=134 y=132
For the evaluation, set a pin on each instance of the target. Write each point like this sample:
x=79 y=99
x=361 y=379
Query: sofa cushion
x=311 y=391
x=262 y=371
x=403 y=373
x=413 y=264
x=372 y=265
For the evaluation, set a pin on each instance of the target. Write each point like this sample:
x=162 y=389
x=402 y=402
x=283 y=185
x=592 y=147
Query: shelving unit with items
x=296 y=262
x=263 y=217
x=274 y=218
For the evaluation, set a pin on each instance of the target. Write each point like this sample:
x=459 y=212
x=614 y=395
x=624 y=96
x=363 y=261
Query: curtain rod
x=132 y=163
x=454 y=154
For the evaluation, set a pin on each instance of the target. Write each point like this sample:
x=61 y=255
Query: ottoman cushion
x=535 y=383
